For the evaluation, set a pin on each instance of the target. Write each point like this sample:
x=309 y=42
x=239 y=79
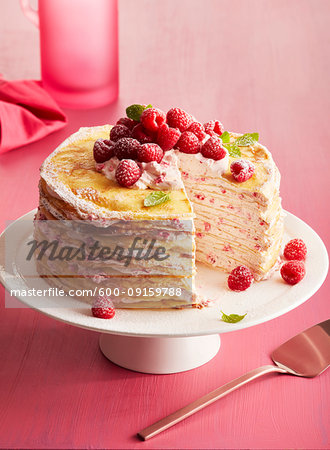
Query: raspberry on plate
x=240 y=278
x=119 y=131
x=142 y=135
x=293 y=271
x=127 y=172
x=295 y=250
x=188 y=143
x=152 y=118
x=126 y=148
x=167 y=137
x=242 y=170
x=213 y=149
x=103 y=308
x=103 y=150
x=150 y=152
x=215 y=126
x=178 y=118
x=198 y=130
x=127 y=122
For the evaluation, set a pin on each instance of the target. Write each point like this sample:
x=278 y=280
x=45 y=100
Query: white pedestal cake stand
x=168 y=341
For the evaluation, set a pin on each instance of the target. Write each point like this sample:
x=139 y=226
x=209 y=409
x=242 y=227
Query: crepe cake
x=229 y=221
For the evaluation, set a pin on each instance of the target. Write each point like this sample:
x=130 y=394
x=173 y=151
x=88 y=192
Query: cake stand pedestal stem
x=159 y=355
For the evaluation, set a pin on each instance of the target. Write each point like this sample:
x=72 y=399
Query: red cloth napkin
x=27 y=113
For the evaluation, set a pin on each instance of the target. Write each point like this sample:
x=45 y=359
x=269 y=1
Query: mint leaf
x=232 y=318
x=233 y=150
x=225 y=137
x=243 y=141
x=247 y=139
x=156 y=198
x=134 y=111
x=255 y=136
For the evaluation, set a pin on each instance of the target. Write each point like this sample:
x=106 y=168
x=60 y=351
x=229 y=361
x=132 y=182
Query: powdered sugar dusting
x=84 y=208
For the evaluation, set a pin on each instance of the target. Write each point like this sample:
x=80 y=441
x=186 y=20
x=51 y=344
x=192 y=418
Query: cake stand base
x=159 y=355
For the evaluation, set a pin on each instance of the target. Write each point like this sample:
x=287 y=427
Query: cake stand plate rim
x=83 y=319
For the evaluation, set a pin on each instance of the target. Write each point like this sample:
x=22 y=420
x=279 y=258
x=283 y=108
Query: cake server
x=304 y=355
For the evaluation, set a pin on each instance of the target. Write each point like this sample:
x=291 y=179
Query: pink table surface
x=257 y=66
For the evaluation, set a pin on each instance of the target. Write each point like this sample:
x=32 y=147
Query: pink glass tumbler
x=79 y=50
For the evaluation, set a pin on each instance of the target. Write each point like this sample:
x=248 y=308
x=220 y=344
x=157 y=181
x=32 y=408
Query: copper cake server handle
x=197 y=405
x=306 y=355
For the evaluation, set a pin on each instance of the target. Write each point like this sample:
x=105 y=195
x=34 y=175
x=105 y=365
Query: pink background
x=257 y=65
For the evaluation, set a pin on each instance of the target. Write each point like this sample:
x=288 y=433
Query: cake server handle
x=197 y=405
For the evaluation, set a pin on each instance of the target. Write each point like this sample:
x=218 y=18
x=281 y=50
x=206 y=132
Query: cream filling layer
x=166 y=174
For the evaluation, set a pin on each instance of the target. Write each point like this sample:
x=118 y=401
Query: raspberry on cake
x=198 y=130
x=127 y=122
x=127 y=172
x=119 y=131
x=152 y=118
x=141 y=134
x=188 y=143
x=213 y=149
x=150 y=152
x=214 y=126
x=242 y=170
x=126 y=148
x=167 y=137
x=103 y=150
x=178 y=118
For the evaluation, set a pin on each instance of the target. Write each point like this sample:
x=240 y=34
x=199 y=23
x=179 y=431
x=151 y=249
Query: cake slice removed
x=237 y=223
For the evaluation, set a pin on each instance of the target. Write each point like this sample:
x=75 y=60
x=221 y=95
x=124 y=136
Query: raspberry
x=242 y=170
x=218 y=128
x=215 y=126
x=198 y=130
x=167 y=137
x=213 y=149
x=150 y=152
x=103 y=150
x=213 y=134
x=295 y=249
x=119 y=131
x=103 y=308
x=127 y=172
x=152 y=118
x=293 y=271
x=129 y=123
x=126 y=148
x=142 y=135
x=240 y=278
x=188 y=143
x=178 y=118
